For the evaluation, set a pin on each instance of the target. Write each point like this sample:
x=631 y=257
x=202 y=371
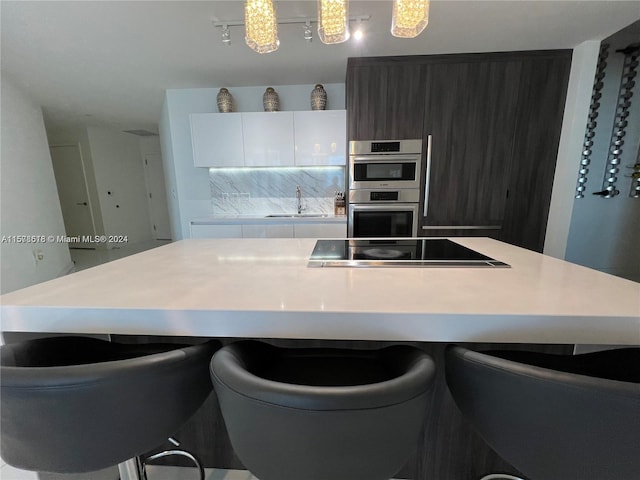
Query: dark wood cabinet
x=494 y=121
x=387 y=99
x=542 y=92
x=470 y=115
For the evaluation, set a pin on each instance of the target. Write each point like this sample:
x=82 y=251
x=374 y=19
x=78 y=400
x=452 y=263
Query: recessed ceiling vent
x=141 y=133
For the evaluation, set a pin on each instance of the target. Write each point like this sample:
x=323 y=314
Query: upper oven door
x=384 y=171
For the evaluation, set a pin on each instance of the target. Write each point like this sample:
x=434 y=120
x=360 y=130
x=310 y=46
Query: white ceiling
x=109 y=62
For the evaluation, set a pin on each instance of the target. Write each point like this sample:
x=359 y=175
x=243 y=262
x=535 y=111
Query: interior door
x=70 y=175
x=157 y=197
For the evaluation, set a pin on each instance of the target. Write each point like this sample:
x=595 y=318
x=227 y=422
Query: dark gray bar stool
x=553 y=416
x=320 y=414
x=77 y=404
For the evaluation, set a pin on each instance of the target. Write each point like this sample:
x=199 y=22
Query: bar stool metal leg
x=132 y=469
x=166 y=453
x=500 y=476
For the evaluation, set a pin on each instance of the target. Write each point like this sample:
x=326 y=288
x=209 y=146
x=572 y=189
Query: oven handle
x=427 y=179
x=462 y=227
x=385 y=158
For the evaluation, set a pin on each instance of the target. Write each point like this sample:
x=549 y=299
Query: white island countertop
x=262 y=288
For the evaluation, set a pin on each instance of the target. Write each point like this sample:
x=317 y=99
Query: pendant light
x=333 y=21
x=261 y=27
x=410 y=17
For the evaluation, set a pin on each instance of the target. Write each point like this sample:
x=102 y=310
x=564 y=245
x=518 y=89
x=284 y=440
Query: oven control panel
x=384 y=147
x=391 y=196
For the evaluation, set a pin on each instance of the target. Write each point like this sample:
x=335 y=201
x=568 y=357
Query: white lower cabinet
x=267 y=231
x=280 y=230
x=320 y=230
x=216 y=231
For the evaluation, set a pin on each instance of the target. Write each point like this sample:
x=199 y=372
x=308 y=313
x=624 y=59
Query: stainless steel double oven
x=384 y=188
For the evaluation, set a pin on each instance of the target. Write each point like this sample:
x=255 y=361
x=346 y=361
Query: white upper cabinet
x=268 y=139
x=320 y=137
x=217 y=139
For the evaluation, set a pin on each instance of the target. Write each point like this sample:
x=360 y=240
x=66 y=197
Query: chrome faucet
x=299 y=198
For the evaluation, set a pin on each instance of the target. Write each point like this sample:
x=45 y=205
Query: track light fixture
x=261 y=26
x=359 y=33
x=333 y=21
x=305 y=22
x=226 y=35
x=410 y=18
x=308 y=34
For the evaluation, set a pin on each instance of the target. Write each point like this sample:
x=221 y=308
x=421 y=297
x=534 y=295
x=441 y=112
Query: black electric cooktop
x=396 y=252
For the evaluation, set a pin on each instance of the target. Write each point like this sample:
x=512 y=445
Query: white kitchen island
x=262 y=288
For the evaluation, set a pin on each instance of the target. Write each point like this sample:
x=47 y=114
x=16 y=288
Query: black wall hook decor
x=590 y=133
x=621 y=121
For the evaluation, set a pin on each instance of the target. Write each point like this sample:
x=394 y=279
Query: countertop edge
x=449 y=328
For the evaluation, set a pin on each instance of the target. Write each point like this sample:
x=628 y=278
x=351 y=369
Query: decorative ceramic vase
x=225 y=101
x=270 y=100
x=318 y=98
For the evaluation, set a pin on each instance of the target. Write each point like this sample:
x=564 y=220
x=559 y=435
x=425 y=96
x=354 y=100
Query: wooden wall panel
x=495 y=119
x=543 y=90
x=366 y=94
x=470 y=112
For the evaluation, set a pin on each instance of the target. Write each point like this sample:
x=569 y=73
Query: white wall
x=604 y=233
x=188 y=191
x=120 y=183
x=29 y=202
x=592 y=231
x=169 y=167
x=583 y=67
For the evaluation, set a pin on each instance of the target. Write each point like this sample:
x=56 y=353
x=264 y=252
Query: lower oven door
x=383 y=220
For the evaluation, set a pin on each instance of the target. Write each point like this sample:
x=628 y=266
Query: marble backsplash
x=263 y=191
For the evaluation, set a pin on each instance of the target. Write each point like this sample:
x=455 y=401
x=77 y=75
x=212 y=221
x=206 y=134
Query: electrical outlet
x=38 y=256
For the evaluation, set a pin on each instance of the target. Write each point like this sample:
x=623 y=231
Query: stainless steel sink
x=297 y=215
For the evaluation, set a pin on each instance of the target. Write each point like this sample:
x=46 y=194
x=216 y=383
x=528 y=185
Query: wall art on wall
x=590 y=133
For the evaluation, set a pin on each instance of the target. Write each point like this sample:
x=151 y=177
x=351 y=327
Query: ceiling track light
x=410 y=18
x=333 y=21
x=359 y=33
x=264 y=46
x=226 y=35
x=261 y=27
x=308 y=34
